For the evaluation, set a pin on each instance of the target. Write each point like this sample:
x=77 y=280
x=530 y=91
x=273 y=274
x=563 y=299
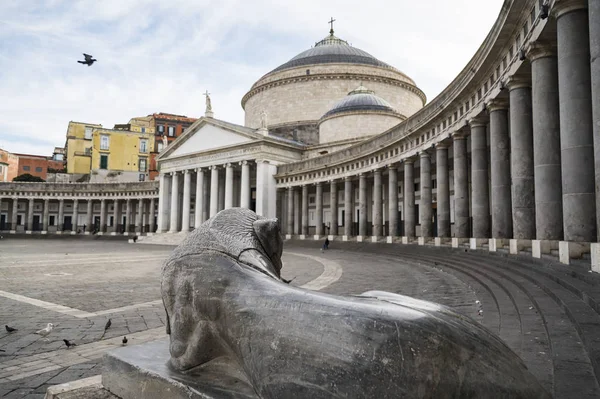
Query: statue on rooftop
x=263 y=119
x=232 y=317
x=208 y=103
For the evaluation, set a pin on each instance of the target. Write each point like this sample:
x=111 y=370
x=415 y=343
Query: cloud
x=162 y=55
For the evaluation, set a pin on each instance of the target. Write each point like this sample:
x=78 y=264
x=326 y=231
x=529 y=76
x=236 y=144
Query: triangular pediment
x=205 y=136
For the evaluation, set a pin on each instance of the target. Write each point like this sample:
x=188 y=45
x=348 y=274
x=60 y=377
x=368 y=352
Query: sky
x=160 y=56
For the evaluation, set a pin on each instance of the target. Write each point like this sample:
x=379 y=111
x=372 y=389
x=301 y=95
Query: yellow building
x=78 y=146
x=142 y=124
x=120 y=155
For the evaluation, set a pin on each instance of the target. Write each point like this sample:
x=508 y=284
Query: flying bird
x=45 y=331
x=88 y=60
x=124 y=341
x=69 y=343
x=10 y=329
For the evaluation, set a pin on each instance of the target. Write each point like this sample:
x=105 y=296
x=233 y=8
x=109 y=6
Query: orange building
x=35 y=165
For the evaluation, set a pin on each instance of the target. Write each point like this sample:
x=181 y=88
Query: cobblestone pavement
x=548 y=313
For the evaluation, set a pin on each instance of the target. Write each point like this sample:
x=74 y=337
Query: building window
x=88 y=151
x=88 y=133
x=143 y=130
x=142 y=164
x=51 y=221
x=142 y=177
x=143 y=145
x=38 y=169
x=26 y=168
x=103 y=161
x=159 y=146
x=161 y=129
x=104 y=142
x=171 y=131
x=417 y=187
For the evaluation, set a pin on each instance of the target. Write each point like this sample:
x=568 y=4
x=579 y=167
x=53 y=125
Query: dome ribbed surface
x=332 y=50
x=360 y=99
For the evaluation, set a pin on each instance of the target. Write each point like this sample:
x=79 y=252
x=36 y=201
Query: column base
x=497 y=243
x=45 y=232
x=100 y=233
x=87 y=233
x=374 y=238
x=316 y=237
x=568 y=250
x=28 y=232
x=439 y=241
x=149 y=234
x=12 y=232
x=458 y=242
x=331 y=238
x=73 y=233
x=390 y=239
x=475 y=243
x=517 y=245
x=542 y=247
x=407 y=240
x=595 y=252
x=359 y=238
x=58 y=232
x=288 y=236
x=302 y=237
x=345 y=238
x=113 y=233
x=421 y=240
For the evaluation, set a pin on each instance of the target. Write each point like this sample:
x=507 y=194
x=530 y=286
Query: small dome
x=360 y=99
x=332 y=50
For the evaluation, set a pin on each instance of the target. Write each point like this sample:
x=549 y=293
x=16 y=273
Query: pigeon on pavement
x=88 y=60
x=106 y=327
x=45 y=331
x=69 y=343
x=124 y=341
x=10 y=329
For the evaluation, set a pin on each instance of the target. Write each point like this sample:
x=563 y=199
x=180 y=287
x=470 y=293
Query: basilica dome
x=360 y=114
x=296 y=94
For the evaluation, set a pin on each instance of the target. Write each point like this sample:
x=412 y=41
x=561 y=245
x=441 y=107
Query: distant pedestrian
x=326 y=244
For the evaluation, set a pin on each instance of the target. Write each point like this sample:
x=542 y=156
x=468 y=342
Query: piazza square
x=344 y=181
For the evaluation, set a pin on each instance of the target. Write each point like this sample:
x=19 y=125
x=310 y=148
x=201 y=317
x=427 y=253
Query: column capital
x=186 y=172
x=478 y=122
x=376 y=171
x=213 y=167
x=459 y=135
x=562 y=7
x=244 y=162
x=541 y=49
x=497 y=104
x=441 y=146
x=228 y=165
x=198 y=170
x=393 y=166
x=319 y=183
x=424 y=154
x=173 y=173
x=518 y=82
x=261 y=161
x=348 y=178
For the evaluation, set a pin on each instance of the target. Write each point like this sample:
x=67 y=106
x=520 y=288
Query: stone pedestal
x=595 y=250
x=316 y=237
x=405 y=240
x=457 y=242
x=516 y=246
x=331 y=237
x=389 y=239
x=439 y=241
x=288 y=236
x=541 y=247
x=359 y=238
x=302 y=236
x=568 y=250
x=141 y=371
x=497 y=243
x=374 y=238
x=475 y=243
x=345 y=238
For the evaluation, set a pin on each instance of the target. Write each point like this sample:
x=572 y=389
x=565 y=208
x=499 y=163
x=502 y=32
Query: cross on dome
x=331 y=23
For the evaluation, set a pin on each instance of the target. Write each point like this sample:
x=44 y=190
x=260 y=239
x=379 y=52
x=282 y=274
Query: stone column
x=362 y=205
x=377 y=204
x=245 y=189
x=266 y=188
x=425 y=205
x=174 y=222
x=305 y=210
x=214 y=190
x=594 y=16
x=61 y=216
x=333 y=206
x=151 y=215
x=127 y=216
x=521 y=157
x=348 y=208
x=89 y=216
x=199 y=207
x=13 y=219
x=228 y=186
x=393 y=200
x=139 y=217
x=500 y=170
x=163 y=203
x=576 y=130
x=296 y=212
x=29 y=226
x=46 y=215
x=319 y=210
x=443 y=190
x=187 y=197
x=75 y=217
x=461 y=187
x=115 y=227
x=102 y=216
x=479 y=180
x=409 y=199
x=546 y=142
x=290 y=211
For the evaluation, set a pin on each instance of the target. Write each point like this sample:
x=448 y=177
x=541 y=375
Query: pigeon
x=106 y=327
x=124 y=341
x=88 y=60
x=45 y=331
x=10 y=329
x=69 y=343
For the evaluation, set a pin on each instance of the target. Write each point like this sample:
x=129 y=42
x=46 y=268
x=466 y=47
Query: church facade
x=338 y=143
